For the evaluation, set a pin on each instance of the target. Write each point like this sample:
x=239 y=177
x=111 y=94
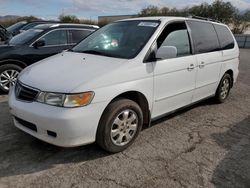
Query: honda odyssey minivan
x=122 y=77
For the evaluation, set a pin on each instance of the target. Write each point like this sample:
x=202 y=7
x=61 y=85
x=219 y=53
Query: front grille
x=25 y=93
x=26 y=124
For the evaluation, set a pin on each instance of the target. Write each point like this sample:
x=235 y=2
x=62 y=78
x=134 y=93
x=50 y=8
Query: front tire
x=8 y=76
x=223 y=89
x=119 y=126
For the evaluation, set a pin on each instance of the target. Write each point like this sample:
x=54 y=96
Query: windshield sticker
x=148 y=24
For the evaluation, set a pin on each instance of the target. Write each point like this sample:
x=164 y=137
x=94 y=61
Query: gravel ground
x=206 y=145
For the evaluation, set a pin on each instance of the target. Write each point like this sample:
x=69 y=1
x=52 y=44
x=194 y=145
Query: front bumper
x=73 y=126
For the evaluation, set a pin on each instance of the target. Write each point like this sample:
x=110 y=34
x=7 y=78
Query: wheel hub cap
x=124 y=127
x=225 y=88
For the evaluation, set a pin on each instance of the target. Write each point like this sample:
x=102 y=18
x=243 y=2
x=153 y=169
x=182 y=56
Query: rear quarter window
x=204 y=37
x=225 y=37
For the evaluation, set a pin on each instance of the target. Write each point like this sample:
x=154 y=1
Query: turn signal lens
x=77 y=100
x=65 y=100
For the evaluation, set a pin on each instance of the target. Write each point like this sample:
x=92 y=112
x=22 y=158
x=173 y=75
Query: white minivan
x=123 y=76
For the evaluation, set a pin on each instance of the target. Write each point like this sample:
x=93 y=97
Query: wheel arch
x=13 y=61
x=137 y=97
x=231 y=73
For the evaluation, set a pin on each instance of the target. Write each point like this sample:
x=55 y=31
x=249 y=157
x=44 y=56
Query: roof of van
x=169 y=18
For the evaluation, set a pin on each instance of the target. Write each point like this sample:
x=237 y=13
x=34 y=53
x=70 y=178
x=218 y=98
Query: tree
x=27 y=18
x=219 y=10
x=68 y=19
x=7 y=23
x=150 y=11
x=203 y=10
x=240 y=22
x=223 y=11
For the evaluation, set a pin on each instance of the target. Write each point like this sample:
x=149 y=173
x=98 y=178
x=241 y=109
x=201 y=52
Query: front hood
x=67 y=71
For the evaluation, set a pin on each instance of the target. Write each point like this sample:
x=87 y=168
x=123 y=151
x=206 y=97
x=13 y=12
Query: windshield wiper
x=98 y=53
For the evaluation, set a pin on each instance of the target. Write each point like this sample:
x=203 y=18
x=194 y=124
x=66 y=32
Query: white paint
x=166 y=84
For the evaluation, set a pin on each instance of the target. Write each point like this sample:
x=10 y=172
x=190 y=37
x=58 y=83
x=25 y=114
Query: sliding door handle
x=191 y=67
x=202 y=65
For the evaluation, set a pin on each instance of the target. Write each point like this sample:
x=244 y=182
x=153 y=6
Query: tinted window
x=26 y=36
x=176 y=35
x=225 y=37
x=4 y=35
x=57 y=37
x=16 y=26
x=1 y=35
x=204 y=37
x=29 y=26
x=76 y=36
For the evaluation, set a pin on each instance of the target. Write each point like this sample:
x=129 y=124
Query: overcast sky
x=91 y=9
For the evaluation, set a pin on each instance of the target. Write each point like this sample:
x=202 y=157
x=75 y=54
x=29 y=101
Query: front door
x=55 y=42
x=174 y=79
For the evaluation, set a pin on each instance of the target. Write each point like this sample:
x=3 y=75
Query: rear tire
x=223 y=89
x=8 y=76
x=119 y=126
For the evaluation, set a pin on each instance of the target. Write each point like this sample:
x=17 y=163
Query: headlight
x=66 y=100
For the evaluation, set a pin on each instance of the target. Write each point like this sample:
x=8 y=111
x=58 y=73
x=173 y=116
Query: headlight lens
x=66 y=100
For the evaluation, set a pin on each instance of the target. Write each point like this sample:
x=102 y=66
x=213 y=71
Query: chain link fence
x=243 y=40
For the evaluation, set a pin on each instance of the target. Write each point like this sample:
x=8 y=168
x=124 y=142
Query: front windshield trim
x=103 y=53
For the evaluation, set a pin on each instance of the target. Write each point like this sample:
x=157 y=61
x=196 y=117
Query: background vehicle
x=36 y=44
x=123 y=76
x=25 y=25
x=4 y=35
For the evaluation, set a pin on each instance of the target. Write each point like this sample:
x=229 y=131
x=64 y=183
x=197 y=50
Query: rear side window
x=225 y=37
x=204 y=37
x=76 y=36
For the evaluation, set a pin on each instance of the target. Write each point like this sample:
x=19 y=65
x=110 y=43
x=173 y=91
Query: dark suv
x=25 y=25
x=36 y=44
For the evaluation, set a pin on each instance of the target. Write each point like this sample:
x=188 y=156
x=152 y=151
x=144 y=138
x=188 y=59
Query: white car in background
x=123 y=76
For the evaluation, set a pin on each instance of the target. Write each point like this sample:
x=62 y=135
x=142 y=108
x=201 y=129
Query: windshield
x=121 y=39
x=25 y=36
x=16 y=26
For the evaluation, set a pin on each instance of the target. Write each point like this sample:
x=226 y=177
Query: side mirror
x=39 y=43
x=166 y=52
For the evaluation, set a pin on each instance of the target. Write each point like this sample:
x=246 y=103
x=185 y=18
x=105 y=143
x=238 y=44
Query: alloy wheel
x=124 y=127
x=225 y=88
x=8 y=78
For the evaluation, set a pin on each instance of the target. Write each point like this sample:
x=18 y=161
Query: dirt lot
x=207 y=145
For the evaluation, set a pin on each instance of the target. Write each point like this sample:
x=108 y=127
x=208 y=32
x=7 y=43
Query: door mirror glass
x=166 y=52
x=39 y=43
